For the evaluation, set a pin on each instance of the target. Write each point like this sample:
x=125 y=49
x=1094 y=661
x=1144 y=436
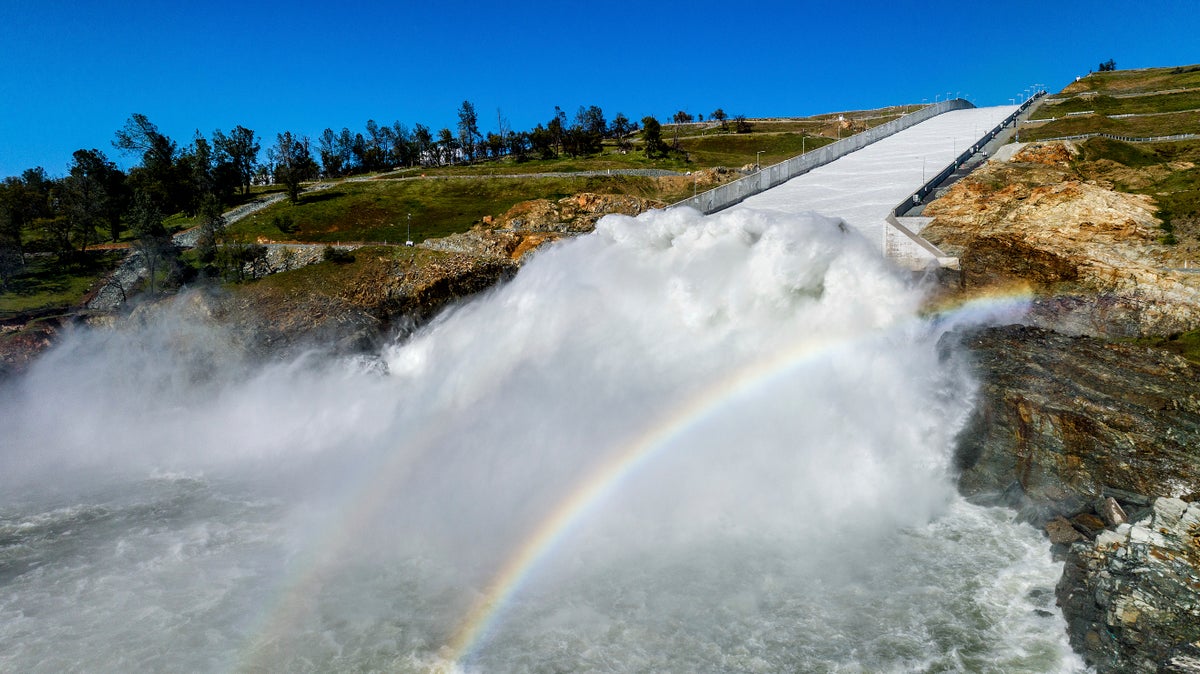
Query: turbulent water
x=761 y=426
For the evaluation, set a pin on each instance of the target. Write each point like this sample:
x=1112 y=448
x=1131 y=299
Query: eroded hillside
x=1050 y=220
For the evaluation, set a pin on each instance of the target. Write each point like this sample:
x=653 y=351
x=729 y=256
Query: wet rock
x=1061 y=421
x=1088 y=524
x=1132 y=597
x=1111 y=512
x=1185 y=659
x=1097 y=442
x=1060 y=531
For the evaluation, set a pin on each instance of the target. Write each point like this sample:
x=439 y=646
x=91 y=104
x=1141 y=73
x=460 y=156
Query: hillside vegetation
x=62 y=237
x=1162 y=102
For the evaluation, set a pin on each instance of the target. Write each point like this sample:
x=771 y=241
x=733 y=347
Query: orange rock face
x=1037 y=222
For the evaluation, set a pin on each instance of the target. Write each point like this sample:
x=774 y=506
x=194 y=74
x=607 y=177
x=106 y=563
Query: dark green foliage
x=94 y=167
x=337 y=255
x=238 y=260
x=159 y=253
x=542 y=142
x=237 y=156
x=167 y=180
x=721 y=117
x=468 y=129
x=284 y=224
x=586 y=135
x=619 y=129
x=652 y=137
x=212 y=230
x=447 y=146
x=293 y=163
x=423 y=143
x=1108 y=66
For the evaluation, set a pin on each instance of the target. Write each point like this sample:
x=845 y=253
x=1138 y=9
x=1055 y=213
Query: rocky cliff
x=1090 y=255
x=1095 y=440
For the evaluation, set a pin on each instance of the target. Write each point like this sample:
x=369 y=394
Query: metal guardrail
x=735 y=192
x=916 y=197
x=1127 y=139
x=894 y=225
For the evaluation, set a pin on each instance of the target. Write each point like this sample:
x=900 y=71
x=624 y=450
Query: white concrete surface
x=864 y=186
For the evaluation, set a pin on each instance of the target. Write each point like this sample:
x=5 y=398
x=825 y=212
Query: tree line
x=96 y=201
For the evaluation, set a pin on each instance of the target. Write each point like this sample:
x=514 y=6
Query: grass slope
x=46 y=285
x=376 y=210
x=1137 y=81
x=1133 y=127
x=1168 y=172
x=1178 y=101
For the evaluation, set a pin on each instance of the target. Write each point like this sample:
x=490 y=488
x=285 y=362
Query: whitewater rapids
x=782 y=418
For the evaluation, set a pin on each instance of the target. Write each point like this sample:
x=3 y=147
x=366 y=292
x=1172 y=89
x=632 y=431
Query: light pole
x=757 y=165
x=408 y=232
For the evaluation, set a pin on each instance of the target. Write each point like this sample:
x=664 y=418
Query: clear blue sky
x=71 y=73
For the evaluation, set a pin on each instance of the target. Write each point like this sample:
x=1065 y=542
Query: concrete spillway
x=864 y=186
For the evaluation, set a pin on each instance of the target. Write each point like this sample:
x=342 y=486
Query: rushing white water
x=785 y=502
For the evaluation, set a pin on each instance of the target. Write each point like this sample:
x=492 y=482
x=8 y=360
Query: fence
x=1127 y=139
x=764 y=179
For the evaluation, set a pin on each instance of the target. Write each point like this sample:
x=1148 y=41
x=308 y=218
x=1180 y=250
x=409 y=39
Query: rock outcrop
x=1090 y=255
x=1098 y=442
x=575 y=214
x=1134 y=592
x=1074 y=433
x=532 y=224
x=1062 y=420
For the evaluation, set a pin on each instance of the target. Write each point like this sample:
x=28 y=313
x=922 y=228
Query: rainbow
x=489 y=608
x=291 y=605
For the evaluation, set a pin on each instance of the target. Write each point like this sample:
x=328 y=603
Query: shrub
x=284 y=223
x=337 y=255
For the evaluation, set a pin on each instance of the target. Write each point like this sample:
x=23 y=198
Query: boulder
x=1132 y=596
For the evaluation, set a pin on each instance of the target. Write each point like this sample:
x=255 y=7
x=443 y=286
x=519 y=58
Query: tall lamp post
x=408 y=232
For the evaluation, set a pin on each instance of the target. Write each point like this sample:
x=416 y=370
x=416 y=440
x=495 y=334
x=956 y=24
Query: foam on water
x=680 y=443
